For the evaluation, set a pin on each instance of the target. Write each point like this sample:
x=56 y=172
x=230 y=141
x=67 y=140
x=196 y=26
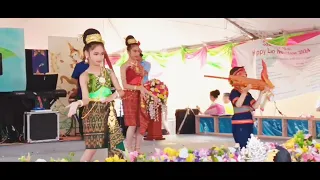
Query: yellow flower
x=96 y=161
x=305 y=149
x=161 y=96
x=290 y=143
x=161 y=158
x=317 y=145
x=109 y=159
x=170 y=151
x=166 y=150
x=190 y=158
x=231 y=155
x=156 y=90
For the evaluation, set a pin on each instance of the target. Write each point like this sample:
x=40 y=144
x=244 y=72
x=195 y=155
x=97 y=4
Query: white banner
x=294 y=70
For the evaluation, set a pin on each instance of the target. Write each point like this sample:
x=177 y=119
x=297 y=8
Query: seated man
x=227 y=104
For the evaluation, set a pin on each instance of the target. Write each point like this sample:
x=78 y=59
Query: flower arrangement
x=301 y=147
x=27 y=158
x=159 y=89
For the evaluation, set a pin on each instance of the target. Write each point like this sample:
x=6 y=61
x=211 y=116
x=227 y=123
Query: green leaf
x=122 y=60
x=214 y=65
x=6 y=53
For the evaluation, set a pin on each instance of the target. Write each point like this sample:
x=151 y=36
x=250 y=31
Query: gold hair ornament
x=94 y=38
x=132 y=41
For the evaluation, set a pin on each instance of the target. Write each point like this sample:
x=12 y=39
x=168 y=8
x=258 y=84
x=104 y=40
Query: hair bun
x=217 y=92
x=128 y=38
x=89 y=32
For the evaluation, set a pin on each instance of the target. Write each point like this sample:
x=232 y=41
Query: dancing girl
x=101 y=128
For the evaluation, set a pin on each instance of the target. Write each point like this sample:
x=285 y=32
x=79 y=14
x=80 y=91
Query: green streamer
x=282 y=41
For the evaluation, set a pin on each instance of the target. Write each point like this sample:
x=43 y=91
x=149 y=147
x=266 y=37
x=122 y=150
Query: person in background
x=227 y=104
x=214 y=108
x=243 y=104
x=318 y=105
x=147 y=67
x=78 y=70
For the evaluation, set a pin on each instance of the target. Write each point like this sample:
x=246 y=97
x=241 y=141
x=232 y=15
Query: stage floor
x=61 y=149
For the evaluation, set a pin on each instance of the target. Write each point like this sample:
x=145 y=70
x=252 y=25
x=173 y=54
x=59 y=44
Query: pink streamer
x=200 y=55
x=114 y=59
x=301 y=38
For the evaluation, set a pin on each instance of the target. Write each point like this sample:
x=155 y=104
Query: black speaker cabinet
x=189 y=124
x=41 y=126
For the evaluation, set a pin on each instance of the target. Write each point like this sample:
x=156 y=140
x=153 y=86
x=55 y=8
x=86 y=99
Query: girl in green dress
x=101 y=128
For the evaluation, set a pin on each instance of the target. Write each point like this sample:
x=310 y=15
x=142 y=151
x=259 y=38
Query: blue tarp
x=271 y=127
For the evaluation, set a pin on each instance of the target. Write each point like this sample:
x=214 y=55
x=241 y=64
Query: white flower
x=183 y=153
x=205 y=159
x=232 y=150
x=299 y=150
x=64 y=160
x=40 y=160
x=102 y=80
x=219 y=159
x=153 y=158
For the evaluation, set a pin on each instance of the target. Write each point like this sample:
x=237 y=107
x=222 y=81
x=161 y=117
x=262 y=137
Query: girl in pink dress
x=215 y=108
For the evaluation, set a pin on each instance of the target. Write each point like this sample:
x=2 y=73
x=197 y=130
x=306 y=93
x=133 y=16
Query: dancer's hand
x=108 y=99
x=246 y=89
x=72 y=108
x=266 y=89
x=143 y=90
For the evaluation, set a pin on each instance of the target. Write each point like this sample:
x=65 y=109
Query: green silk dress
x=100 y=124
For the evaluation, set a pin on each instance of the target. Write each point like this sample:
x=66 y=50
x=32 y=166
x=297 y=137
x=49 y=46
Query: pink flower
x=158 y=152
x=133 y=155
x=306 y=157
x=307 y=136
x=203 y=153
x=316 y=157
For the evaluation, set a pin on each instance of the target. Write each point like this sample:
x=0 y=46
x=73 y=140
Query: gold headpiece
x=94 y=38
x=132 y=41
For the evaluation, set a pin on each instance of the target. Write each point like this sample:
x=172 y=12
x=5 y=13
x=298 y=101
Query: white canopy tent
x=159 y=33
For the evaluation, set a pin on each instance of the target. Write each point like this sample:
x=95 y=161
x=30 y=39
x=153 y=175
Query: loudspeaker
x=41 y=126
x=189 y=124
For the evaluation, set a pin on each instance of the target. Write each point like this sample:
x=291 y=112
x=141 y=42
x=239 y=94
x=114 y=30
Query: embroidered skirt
x=101 y=128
